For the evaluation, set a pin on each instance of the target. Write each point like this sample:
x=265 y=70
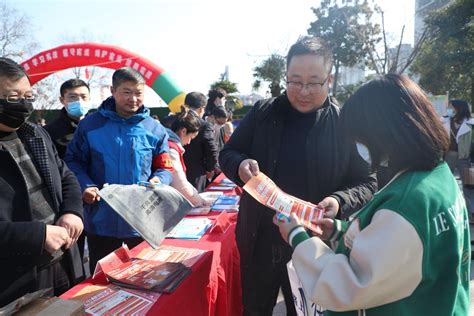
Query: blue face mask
x=364 y=152
x=78 y=108
x=450 y=112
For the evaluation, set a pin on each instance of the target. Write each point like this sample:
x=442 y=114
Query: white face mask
x=364 y=152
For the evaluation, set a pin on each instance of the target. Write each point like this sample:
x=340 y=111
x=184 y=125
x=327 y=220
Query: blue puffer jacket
x=107 y=148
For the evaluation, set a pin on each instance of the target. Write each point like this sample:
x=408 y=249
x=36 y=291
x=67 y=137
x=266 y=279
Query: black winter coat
x=22 y=240
x=201 y=155
x=334 y=166
x=61 y=130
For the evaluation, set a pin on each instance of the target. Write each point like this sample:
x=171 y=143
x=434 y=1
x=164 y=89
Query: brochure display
x=190 y=228
x=119 y=266
x=229 y=203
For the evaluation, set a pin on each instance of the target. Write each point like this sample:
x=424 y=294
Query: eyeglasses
x=312 y=87
x=15 y=98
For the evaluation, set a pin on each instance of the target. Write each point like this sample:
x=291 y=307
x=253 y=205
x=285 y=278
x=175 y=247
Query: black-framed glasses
x=311 y=86
x=15 y=98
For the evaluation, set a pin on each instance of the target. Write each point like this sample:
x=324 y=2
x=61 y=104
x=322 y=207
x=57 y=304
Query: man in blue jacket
x=119 y=144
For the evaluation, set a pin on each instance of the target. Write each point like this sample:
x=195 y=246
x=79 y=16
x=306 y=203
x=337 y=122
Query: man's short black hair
x=71 y=84
x=219 y=112
x=11 y=70
x=126 y=74
x=216 y=93
x=310 y=45
x=195 y=100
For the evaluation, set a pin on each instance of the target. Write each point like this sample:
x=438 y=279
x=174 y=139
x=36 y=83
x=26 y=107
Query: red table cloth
x=213 y=288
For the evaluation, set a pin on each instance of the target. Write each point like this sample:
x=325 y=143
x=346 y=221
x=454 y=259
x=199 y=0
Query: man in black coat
x=75 y=97
x=200 y=156
x=295 y=140
x=40 y=199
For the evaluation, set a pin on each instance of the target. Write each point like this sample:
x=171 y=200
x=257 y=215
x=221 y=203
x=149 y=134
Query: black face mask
x=15 y=114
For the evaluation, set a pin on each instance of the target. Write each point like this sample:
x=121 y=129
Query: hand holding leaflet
x=264 y=190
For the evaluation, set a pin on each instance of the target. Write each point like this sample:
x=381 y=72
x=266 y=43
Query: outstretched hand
x=285 y=225
x=247 y=169
x=330 y=205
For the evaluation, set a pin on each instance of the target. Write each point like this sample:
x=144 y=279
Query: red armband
x=162 y=161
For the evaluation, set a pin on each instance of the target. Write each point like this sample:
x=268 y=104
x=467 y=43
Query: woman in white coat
x=458 y=123
x=184 y=127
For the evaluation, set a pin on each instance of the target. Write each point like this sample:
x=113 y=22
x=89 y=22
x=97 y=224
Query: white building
x=350 y=75
x=422 y=9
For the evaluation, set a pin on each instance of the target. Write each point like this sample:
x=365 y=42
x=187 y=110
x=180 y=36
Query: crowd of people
x=401 y=247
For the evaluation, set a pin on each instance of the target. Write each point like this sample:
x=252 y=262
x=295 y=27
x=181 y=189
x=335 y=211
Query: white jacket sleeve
x=180 y=182
x=384 y=266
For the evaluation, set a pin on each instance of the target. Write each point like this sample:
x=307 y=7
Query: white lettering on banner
x=34 y=62
x=97 y=53
x=26 y=67
x=55 y=54
x=42 y=60
x=86 y=52
x=48 y=56
x=128 y=62
x=72 y=51
x=148 y=74
x=136 y=66
x=104 y=53
x=142 y=70
x=65 y=53
x=111 y=56
x=441 y=224
x=79 y=52
x=119 y=59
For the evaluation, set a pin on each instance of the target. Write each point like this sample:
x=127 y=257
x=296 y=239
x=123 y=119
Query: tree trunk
x=472 y=91
x=275 y=89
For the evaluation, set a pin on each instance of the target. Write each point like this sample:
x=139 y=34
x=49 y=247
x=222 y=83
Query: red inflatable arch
x=67 y=56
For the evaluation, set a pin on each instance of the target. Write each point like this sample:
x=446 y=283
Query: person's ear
x=62 y=100
x=182 y=132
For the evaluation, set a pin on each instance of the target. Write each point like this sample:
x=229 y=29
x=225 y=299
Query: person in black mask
x=40 y=199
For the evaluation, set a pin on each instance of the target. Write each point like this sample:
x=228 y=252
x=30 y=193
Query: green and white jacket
x=407 y=252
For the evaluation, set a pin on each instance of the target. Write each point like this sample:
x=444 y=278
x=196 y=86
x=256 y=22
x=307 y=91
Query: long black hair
x=393 y=117
x=462 y=110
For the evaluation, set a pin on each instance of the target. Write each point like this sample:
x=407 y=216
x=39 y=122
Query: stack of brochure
x=210 y=198
x=152 y=275
x=190 y=228
x=224 y=185
x=229 y=203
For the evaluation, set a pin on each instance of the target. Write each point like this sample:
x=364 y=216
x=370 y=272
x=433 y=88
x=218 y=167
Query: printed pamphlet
x=264 y=190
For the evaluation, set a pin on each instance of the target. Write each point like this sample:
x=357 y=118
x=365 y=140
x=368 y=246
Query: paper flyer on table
x=152 y=212
x=264 y=190
x=114 y=300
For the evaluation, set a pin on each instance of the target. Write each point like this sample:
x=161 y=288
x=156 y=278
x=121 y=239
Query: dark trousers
x=101 y=246
x=199 y=182
x=55 y=276
x=265 y=273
